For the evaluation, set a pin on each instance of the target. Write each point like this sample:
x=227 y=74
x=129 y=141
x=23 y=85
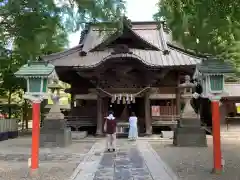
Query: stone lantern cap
x=187 y=83
x=37 y=69
x=55 y=85
x=212 y=65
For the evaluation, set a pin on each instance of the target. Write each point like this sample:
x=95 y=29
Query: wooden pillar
x=178 y=97
x=99 y=116
x=72 y=104
x=148 y=121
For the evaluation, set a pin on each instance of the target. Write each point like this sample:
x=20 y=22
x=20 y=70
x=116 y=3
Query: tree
x=204 y=26
x=30 y=28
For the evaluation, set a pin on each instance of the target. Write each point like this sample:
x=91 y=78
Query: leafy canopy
x=30 y=28
x=204 y=26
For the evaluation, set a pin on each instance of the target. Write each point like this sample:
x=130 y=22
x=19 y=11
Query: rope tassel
x=124 y=100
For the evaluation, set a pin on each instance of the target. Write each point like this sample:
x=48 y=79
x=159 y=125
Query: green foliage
x=204 y=26
x=35 y=27
x=79 y=12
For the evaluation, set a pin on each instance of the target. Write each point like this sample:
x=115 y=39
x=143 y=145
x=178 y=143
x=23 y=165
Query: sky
x=137 y=10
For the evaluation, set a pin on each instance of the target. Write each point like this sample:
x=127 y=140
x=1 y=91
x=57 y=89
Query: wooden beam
x=162 y=96
x=178 y=95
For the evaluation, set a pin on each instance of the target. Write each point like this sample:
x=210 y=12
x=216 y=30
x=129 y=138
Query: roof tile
x=148 y=32
x=36 y=69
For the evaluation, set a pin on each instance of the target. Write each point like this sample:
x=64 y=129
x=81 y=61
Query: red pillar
x=35 y=134
x=217 y=154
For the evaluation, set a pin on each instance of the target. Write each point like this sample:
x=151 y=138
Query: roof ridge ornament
x=127 y=22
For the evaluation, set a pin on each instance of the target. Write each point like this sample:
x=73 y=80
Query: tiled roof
x=149 y=33
x=150 y=58
x=215 y=66
x=146 y=31
x=36 y=69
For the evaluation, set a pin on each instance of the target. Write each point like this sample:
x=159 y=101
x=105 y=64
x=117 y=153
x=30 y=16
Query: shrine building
x=137 y=69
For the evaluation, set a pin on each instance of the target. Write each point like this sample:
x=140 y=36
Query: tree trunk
x=9 y=104
x=25 y=112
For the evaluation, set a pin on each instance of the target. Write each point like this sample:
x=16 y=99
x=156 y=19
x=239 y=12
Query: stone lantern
x=37 y=75
x=55 y=132
x=189 y=131
x=211 y=75
x=55 y=112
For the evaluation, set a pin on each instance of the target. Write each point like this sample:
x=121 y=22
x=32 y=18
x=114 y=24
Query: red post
x=217 y=154
x=35 y=134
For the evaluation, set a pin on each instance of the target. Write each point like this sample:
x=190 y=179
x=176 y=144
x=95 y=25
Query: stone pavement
x=131 y=161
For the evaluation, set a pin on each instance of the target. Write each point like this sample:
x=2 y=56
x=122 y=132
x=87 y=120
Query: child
x=110 y=129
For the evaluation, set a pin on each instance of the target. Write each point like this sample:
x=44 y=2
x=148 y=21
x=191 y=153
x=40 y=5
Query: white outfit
x=133 y=129
x=111 y=138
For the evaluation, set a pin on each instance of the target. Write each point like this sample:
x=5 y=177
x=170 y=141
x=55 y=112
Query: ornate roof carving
x=121 y=49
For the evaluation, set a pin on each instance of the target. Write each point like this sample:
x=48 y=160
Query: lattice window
x=216 y=83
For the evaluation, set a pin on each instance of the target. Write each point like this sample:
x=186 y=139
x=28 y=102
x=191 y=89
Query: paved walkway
x=131 y=161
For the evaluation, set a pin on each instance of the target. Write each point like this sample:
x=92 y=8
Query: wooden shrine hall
x=137 y=68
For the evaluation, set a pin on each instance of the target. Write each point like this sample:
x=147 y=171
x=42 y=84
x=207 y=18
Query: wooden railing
x=168 y=116
x=168 y=110
x=167 y=113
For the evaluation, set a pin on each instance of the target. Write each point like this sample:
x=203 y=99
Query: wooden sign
x=155 y=110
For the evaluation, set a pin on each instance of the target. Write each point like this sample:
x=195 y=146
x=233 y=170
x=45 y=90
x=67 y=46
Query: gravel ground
x=196 y=163
x=55 y=163
x=47 y=171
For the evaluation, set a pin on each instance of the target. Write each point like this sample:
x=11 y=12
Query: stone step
x=167 y=134
x=190 y=122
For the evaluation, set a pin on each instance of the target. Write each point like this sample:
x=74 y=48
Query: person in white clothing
x=133 y=129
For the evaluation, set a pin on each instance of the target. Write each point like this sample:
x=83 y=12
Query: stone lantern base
x=189 y=131
x=55 y=132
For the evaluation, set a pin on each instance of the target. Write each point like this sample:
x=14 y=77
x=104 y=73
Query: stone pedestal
x=55 y=132
x=189 y=131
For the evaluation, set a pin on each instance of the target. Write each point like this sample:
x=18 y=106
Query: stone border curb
x=145 y=146
x=84 y=161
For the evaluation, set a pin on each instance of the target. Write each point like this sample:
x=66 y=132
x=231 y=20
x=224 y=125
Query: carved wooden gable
x=121 y=49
